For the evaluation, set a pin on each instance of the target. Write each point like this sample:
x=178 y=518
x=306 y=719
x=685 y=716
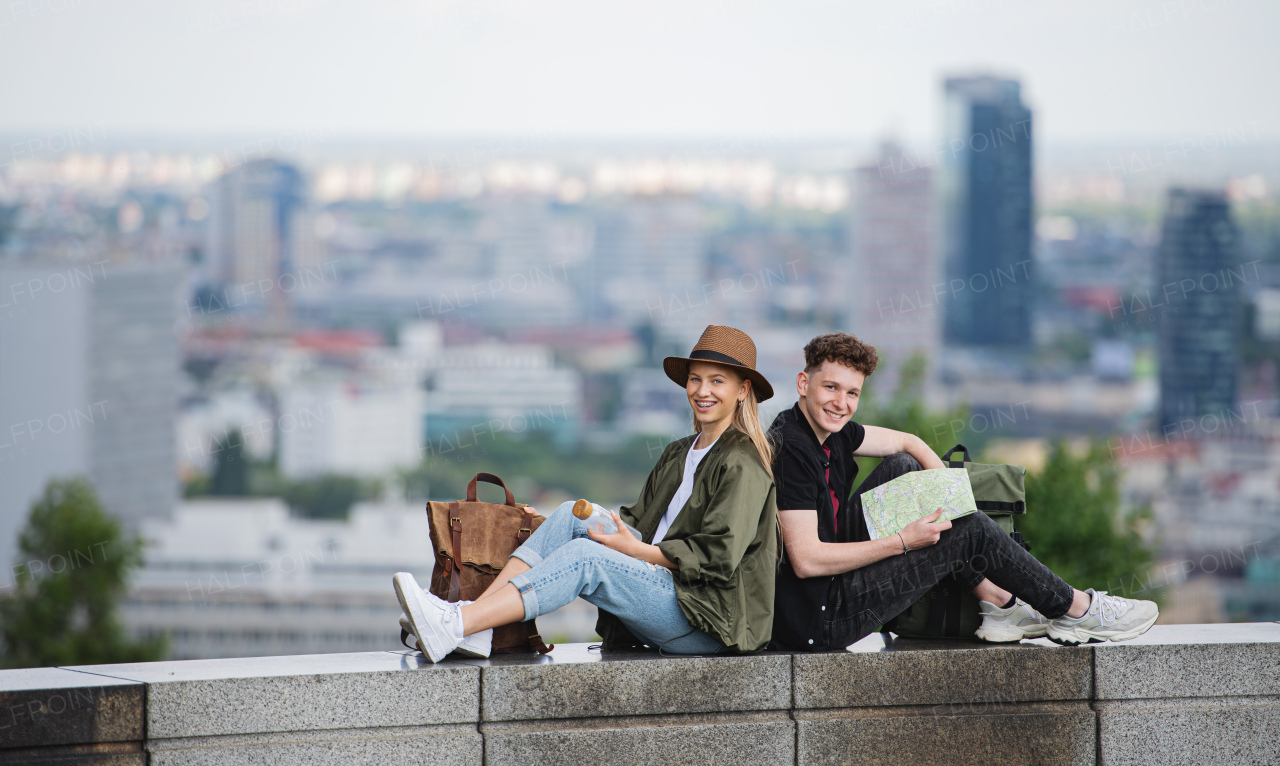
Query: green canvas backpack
x=948 y=610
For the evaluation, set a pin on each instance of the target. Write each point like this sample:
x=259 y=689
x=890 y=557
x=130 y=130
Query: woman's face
x=714 y=392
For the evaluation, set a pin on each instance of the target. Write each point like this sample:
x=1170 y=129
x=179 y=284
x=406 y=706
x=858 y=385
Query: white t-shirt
x=683 y=492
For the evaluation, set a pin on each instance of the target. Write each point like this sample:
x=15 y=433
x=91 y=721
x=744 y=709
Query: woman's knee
x=584 y=549
x=561 y=510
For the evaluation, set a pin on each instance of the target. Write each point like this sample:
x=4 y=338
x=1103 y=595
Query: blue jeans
x=566 y=563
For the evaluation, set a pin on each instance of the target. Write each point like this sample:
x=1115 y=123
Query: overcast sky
x=653 y=69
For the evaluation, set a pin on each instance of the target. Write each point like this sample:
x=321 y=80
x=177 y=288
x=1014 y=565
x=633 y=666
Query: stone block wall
x=1179 y=695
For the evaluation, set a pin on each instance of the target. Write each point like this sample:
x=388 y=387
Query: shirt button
x=824 y=607
x=811 y=640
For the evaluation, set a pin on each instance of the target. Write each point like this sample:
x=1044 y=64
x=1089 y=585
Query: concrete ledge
x=300 y=693
x=1191 y=661
x=574 y=682
x=44 y=707
x=895 y=671
x=1179 y=695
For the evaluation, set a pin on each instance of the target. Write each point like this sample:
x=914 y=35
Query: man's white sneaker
x=1110 y=618
x=479 y=645
x=1013 y=624
x=436 y=623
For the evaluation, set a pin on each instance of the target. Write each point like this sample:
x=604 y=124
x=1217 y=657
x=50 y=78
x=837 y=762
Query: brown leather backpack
x=472 y=542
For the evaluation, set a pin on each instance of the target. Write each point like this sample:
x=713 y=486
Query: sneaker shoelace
x=1109 y=607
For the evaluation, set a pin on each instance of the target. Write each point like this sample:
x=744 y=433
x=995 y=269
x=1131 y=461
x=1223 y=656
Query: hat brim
x=677 y=368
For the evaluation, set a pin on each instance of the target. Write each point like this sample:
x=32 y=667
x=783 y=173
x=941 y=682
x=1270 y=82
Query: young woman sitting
x=697 y=580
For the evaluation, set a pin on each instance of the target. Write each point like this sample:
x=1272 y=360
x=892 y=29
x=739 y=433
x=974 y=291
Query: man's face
x=829 y=396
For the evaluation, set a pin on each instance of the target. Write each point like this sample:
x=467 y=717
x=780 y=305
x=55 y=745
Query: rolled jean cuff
x=527 y=555
x=527 y=594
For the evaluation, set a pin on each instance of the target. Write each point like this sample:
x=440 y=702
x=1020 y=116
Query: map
x=893 y=505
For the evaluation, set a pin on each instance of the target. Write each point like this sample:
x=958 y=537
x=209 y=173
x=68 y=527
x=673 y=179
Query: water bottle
x=600 y=519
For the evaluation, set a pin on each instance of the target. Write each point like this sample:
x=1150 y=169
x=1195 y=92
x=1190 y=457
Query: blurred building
x=89 y=385
x=349 y=427
x=987 y=212
x=242 y=578
x=1200 y=322
x=261 y=236
x=478 y=391
x=649 y=261
x=891 y=298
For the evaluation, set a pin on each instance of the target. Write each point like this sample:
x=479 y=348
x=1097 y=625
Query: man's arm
x=810 y=557
x=882 y=442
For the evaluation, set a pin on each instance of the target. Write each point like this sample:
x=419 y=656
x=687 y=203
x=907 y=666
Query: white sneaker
x=436 y=623
x=479 y=645
x=1013 y=624
x=1110 y=618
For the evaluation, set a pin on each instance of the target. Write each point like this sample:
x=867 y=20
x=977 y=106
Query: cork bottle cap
x=582 y=509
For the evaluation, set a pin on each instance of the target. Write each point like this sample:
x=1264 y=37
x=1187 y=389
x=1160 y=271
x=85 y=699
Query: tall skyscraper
x=89 y=386
x=1199 y=328
x=894 y=270
x=261 y=235
x=987 y=212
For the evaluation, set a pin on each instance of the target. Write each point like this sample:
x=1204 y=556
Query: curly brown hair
x=841 y=348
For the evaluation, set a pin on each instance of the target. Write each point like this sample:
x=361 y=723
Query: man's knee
x=901 y=462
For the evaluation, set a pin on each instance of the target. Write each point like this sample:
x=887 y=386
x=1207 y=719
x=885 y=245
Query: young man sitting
x=835 y=585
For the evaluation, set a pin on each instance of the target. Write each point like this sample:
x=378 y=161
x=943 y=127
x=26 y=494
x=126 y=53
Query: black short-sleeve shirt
x=801 y=469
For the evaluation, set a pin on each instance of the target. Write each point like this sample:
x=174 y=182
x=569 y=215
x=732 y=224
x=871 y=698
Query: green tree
x=905 y=411
x=1077 y=527
x=230 y=467
x=329 y=496
x=75 y=566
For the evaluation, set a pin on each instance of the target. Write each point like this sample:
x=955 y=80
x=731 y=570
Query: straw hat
x=722 y=345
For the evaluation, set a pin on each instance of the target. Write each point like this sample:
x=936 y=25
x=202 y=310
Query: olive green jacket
x=724 y=543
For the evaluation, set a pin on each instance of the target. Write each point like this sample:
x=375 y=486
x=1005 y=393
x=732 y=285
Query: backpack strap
x=933 y=625
x=535 y=640
x=1002 y=506
x=455 y=577
x=526 y=526
x=491 y=479
x=953 y=603
x=957 y=463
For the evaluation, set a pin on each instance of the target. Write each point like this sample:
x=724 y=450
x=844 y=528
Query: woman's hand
x=925 y=531
x=621 y=541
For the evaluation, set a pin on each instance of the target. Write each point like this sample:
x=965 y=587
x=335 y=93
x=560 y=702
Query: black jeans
x=975 y=547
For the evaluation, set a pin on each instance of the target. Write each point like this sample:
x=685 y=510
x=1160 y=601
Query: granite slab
x=712 y=739
x=1180 y=661
x=98 y=754
x=574 y=681
x=441 y=745
x=1190 y=732
x=883 y=670
x=300 y=693
x=53 y=706
x=1044 y=734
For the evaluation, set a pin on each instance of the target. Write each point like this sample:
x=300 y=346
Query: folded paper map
x=895 y=504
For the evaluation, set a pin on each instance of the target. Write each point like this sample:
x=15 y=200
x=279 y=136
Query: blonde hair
x=746 y=418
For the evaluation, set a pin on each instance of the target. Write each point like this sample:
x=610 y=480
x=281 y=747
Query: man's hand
x=621 y=541
x=925 y=531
